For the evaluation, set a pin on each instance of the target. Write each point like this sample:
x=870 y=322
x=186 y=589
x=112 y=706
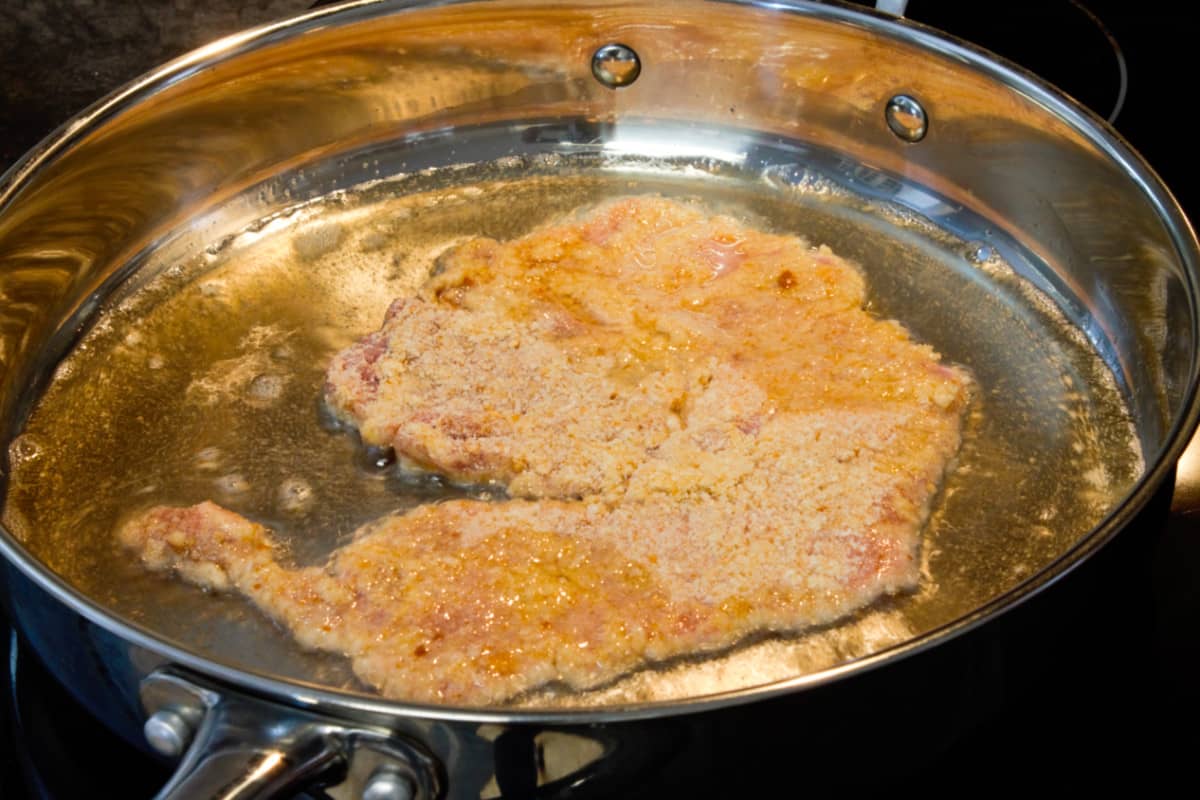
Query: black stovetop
x=1089 y=683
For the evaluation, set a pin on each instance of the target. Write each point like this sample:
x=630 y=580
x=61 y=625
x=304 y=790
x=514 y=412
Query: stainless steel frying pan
x=996 y=218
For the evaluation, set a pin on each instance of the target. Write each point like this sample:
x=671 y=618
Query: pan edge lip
x=297 y=693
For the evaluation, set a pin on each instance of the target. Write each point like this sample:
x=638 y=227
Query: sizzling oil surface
x=206 y=384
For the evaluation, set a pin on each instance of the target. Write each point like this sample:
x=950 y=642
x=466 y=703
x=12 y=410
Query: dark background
x=1100 y=685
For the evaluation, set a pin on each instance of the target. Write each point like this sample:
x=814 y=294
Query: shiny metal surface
x=387 y=784
x=616 y=65
x=239 y=208
x=271 y=304
x=178 y=160
x=247 y=748
x=168 y=733
x=1187 y=482
x=906 y=117
x=896 y=7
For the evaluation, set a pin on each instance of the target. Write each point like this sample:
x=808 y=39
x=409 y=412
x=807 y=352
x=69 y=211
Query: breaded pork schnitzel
x=562 y=363
x=702 y=433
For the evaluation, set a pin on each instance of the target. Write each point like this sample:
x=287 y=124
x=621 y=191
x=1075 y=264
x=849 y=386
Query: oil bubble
x=265 y=388
x=25 y=448
x=979 y=252
x=233 y=483
x=295 y=495
x=377 y=457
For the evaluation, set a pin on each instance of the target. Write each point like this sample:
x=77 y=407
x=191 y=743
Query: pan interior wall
x=201 y=375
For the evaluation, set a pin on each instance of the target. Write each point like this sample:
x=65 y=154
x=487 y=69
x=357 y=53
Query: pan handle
x=234 y=746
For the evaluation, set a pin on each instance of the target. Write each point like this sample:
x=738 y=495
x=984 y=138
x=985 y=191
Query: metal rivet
x=616 y=65
x=906 y=117
x=388 y=784
x=167 y=733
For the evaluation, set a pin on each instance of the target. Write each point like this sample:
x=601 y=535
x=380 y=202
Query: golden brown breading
x=561 y=363
x=711 y=435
